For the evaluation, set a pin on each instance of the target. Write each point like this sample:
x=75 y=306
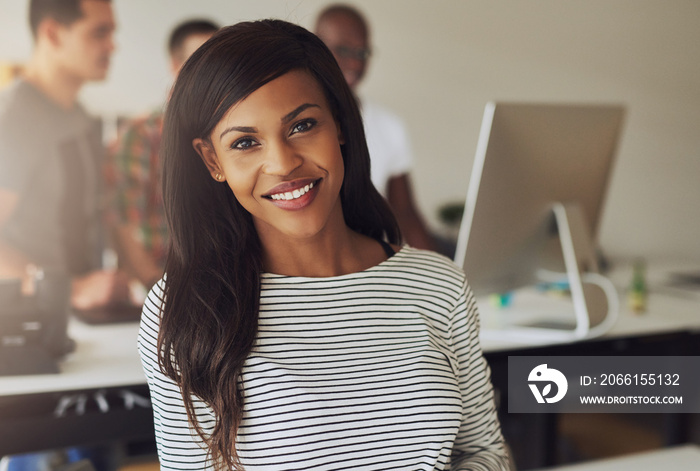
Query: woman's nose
x=281 y=159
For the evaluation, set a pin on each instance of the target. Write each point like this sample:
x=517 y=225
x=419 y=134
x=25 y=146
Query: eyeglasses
x=351 y=53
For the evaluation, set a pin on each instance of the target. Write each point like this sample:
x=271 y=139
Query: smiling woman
x=291 y=331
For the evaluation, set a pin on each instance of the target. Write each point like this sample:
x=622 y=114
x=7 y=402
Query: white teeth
x=292 y=195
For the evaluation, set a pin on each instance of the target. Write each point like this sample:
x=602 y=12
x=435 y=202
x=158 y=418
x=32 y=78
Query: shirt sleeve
x=479 y=445
x=179 y=446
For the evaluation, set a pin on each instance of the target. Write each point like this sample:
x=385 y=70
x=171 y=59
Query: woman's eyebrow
x=285 y=119
x=243 y=129
x=290 y=116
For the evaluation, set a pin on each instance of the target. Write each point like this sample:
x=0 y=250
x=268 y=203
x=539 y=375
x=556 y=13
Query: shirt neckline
x=379 y=266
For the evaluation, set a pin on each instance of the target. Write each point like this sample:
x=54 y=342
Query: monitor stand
x=581 y=273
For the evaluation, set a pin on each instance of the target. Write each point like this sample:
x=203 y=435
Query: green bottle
x=637 y=294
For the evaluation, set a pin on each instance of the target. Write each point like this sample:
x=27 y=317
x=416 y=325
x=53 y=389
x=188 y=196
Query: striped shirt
x=380 y=369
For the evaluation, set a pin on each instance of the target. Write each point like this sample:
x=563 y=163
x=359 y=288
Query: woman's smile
x=294 y=195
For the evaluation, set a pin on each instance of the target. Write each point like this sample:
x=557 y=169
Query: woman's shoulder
x=429 y=256
x=428 y=263
x=149 y=326
x=153 y=304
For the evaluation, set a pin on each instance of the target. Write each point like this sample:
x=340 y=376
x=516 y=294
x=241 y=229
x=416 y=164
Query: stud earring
x=219 y=177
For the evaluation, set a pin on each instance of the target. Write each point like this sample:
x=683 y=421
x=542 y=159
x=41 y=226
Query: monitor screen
x=529 y=158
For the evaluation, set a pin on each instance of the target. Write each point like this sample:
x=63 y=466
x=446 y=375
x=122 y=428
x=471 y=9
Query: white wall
x=438 y=62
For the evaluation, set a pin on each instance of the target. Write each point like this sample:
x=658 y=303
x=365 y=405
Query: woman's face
x=279 y=152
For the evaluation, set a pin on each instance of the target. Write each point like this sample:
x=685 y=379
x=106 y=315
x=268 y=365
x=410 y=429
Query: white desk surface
x=668 y=310
x=680 y=458
x=105 y=356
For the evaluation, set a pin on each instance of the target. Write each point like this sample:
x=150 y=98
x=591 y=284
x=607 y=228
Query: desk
x=666 y=313
x=669 y=327
x=105 y=356
x=103 y=371
x=681 y=458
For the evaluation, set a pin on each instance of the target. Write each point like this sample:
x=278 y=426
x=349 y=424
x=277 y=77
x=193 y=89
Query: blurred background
x=437 y=63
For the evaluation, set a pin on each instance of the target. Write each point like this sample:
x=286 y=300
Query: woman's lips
x=293 y=195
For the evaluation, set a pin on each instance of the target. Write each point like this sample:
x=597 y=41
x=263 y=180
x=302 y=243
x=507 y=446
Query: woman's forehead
x=279 y=97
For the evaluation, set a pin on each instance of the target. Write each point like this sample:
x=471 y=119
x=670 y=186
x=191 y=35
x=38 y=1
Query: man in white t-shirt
x=344 y=30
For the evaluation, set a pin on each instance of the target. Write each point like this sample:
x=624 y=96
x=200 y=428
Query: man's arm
x=413 y=229
x=95 y=289
x=99 y=288
x=134 y=256
x=13 y=263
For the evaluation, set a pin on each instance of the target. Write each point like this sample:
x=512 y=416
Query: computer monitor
x=540 y=174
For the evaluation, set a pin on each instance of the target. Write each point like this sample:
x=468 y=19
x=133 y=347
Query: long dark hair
x=212 y=287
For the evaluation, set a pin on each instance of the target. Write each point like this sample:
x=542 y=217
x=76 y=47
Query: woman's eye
x=303 y=126
x=243 y=143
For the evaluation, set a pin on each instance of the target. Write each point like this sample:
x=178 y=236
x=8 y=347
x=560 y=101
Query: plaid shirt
x=133 y=176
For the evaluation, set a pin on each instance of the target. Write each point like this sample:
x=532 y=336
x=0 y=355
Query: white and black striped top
x=380 y=369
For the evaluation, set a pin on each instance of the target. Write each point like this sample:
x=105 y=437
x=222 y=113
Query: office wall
x=438 y=62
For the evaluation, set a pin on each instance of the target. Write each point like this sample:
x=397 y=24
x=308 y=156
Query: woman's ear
x=208 y=155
